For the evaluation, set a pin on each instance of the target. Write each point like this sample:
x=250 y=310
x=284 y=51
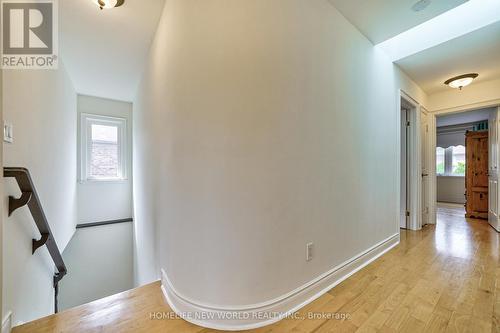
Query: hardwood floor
x=445 y=278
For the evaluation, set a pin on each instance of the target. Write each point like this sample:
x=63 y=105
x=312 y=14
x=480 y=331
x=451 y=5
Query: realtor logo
x=29 y=34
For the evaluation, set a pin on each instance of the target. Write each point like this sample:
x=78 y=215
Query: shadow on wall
x=451 y=189
x=100 y=264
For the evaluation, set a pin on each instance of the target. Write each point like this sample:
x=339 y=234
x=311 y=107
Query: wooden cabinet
x=476 y=175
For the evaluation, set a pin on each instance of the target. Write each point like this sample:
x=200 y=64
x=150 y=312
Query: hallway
x=441 y=279
x=235 y=163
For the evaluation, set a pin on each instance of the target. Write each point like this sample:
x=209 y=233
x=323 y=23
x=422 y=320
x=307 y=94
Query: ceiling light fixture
x=420 y=5
x=108 y=4
x=458 y=82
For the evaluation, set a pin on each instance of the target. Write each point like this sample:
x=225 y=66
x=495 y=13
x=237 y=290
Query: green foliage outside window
x=459 y=169
x=440 y=168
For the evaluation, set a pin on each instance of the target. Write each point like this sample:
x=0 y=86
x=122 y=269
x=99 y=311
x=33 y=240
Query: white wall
x=146 y=178
x=256 y=139
x=104 y=201
x=42 y=107
x=464 y=117
x=1 y=210
x=99 y=260
x=451 y=189
x=476 y=93
x=445 y=140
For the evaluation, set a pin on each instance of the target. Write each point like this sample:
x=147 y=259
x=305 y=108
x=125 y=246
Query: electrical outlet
x=309 y=251
x=8 y=132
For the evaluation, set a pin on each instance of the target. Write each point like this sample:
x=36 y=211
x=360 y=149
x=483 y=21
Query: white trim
x=433 y=145
x=250 y=316
x=7 y=323
x=415 y=162
x=468 y=107
x=432 y=169
x=493 y=197
x=104 y=181
x=86 y=119
x=425 y=167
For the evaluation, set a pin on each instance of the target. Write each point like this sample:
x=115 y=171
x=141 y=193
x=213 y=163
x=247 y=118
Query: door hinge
x=407 y=124
x=407 y=213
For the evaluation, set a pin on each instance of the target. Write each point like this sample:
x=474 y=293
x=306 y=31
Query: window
x=103 y=154
x=450 y=161
x=458 y=161
x=440 y=161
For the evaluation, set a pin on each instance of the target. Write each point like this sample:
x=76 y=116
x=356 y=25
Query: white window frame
x=86 y=122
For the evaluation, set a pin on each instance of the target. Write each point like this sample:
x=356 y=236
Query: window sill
x=103 y=181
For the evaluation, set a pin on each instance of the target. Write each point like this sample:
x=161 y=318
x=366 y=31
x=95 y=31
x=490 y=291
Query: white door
x=405 y=170
x=493 y=197
x=492 y=200
x=424 y=142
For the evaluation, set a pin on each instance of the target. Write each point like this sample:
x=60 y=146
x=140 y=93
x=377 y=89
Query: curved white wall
x=261 y=126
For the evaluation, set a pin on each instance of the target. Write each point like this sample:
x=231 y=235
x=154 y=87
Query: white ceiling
x=464 y=117
x=476 y=52
x=380 y=20
x=104 y=51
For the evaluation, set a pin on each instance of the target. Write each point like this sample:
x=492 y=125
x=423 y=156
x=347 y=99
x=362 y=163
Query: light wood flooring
x=445 y=278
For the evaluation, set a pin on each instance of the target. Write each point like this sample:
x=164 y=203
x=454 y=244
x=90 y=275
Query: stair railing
x=30 y=197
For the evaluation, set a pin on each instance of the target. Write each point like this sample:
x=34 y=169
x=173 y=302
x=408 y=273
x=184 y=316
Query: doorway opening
x=466 y=162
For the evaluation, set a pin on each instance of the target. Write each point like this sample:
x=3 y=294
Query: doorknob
x=425 y=174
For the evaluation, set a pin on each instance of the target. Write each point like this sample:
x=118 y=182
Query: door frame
x=414 y=152
x=425 y=169
x=2 y=268
x=433 y=144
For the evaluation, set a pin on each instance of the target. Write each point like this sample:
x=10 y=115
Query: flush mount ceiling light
x=420 y=5
x=458 y=82
x=108 y=4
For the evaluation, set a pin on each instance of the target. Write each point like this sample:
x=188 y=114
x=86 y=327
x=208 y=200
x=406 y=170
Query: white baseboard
x=7 y=323
x=236 y=318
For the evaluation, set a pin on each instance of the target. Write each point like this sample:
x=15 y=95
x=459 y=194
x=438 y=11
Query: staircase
x=30 y=198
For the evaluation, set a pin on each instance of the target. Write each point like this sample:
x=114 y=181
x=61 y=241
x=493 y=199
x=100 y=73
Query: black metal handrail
x=103 y=223
x=30 y=197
